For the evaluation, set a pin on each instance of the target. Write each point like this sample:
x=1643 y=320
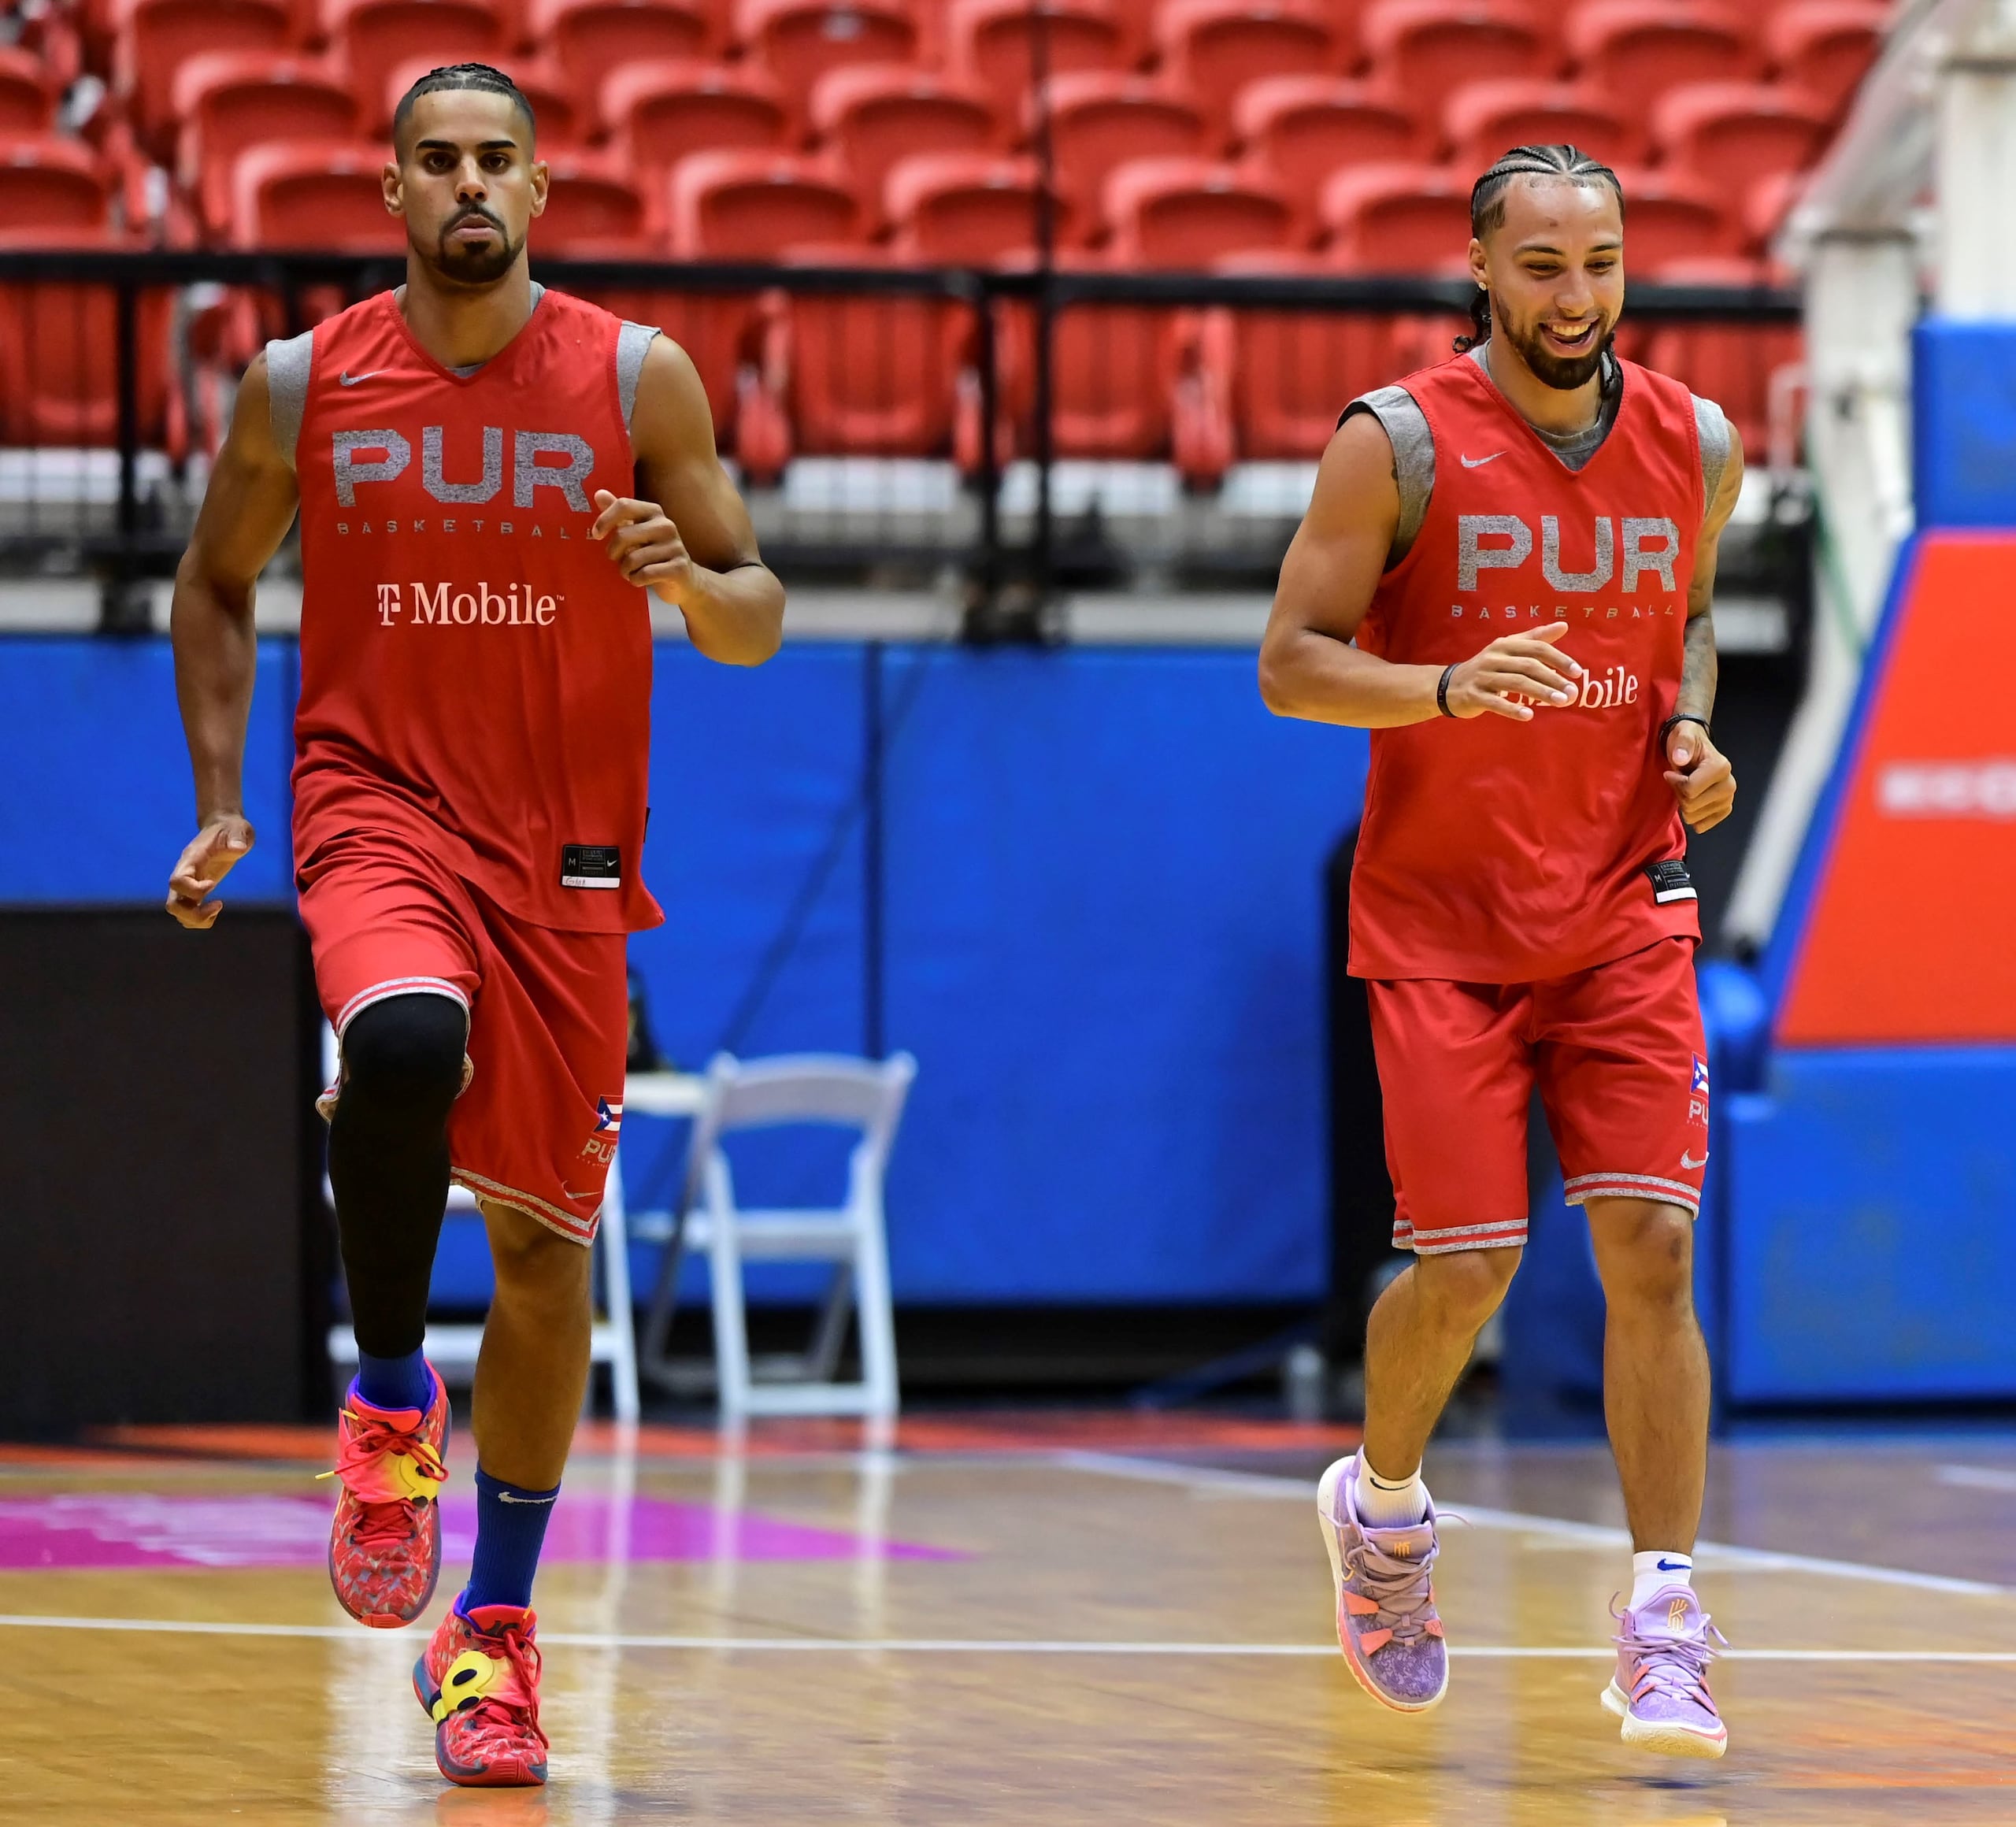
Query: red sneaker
x=478 y=1681
x=385 y=1542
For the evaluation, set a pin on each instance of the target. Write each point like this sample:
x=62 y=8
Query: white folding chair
x=860 y=1093
x=611 y=1339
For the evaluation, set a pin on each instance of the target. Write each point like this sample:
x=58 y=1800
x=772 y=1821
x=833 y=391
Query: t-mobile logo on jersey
x=384 y=455
x=443 y=606
x=1651 y=544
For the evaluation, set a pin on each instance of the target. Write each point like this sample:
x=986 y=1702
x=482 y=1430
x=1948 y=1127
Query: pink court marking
x=145 y=1530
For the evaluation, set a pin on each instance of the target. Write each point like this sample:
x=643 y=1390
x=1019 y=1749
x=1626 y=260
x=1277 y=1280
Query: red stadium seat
x=228 y=100
x=1632 y=50
x=1113 y=372
x=313 y=194
x=869 y=116
x=964 y=208
x=1671 y=216
x=1731 y=363
x=1396 y=218
x=370 y=38
x=661 y=112
x=1100 y=118
x=559 y=124
x=1189 y=214
x=27 y=102
x=1299 y=129
x=798 y=41
x=592 y=200
x=757 y=205
x=1423 y=48
x=1732 y=134
x=590 y=38
x=159 y=36
x=51 y=183
x=59 y=372
x=989 y=41
x=1484 y=121
x=1216 y=47
x=1826 y=46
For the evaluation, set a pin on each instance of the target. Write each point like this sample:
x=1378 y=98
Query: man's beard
x=475 y=264
x=1566 y=372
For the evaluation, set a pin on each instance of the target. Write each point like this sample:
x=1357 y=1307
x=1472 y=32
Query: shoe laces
x=1669 y=1664
x=369 y=1437
x=1400 y=1587
x=512 y=1710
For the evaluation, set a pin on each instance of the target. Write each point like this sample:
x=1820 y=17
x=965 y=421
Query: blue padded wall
x=1963 y=423
x=1872 y=1217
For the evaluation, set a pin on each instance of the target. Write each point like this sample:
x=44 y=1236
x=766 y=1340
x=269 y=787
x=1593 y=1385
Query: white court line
x=962 y=1647
x=1977 y=1477
x=1709 y=1555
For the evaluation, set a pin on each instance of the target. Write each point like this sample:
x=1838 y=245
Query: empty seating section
x=1228 y=136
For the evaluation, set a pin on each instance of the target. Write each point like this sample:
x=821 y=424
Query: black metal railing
x=1029 y=395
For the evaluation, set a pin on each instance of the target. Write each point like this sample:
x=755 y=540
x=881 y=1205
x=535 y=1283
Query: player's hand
x=640 y=536
x=206 y=861
x=1700 y=776
x=1512 y=669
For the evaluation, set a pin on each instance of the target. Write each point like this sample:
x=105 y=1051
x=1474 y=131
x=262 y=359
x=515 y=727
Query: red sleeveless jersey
x=1497 y=851
x=476 y=675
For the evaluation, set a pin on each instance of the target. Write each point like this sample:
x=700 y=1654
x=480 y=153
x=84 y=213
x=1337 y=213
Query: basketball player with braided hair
x=1505 y=574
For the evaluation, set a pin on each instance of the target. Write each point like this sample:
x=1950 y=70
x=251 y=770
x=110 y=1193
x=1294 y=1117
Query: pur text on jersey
x=443 y=606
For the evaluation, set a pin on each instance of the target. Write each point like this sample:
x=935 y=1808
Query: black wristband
x=1666 y=728
x=1442 y=689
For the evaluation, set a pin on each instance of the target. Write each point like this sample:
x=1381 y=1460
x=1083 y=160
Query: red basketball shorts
x=536 y=1126
x=1618 y=1053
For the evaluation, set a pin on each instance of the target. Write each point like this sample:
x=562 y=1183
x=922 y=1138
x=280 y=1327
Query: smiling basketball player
x=1505 y=574
x=470 y=809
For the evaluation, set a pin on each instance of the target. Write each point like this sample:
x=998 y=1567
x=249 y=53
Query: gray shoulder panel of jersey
x=289 y=363
x=1413 y=455
x=633 y=343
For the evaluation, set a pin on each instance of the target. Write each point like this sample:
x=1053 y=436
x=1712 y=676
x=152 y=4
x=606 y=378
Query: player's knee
x=534 y=1263
x=1650 y=1262
x=1466 y=1287
x=406 y=1054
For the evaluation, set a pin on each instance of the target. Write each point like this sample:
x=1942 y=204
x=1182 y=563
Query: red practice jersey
x=1498 y=851
x=476 y=675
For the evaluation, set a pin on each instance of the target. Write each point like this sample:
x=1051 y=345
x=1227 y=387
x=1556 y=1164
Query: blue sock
x=404 y=1382
x=510 y=1529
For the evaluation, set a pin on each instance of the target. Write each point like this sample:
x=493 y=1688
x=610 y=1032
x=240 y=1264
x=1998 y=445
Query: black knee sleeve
x=388 y=1160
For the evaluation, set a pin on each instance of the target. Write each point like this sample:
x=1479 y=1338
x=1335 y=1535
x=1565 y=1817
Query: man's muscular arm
x=1698 y=772
x=246 y=510
x=1308 y=667
x=690 y=541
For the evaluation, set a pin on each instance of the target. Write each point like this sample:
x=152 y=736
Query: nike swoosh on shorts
x=1687 y=1160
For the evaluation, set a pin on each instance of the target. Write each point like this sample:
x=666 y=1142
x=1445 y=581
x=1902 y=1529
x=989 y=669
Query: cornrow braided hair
x=483 y=76
x=1487 y=205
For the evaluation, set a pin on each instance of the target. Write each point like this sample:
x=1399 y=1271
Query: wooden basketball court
x=1029 y=1622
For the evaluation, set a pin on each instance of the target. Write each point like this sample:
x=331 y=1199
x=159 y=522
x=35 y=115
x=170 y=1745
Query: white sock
x=1657 y=1569
x=1386 y=1502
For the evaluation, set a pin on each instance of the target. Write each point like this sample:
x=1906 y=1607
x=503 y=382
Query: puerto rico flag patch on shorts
x=1700 y=1074
x=609 y=1111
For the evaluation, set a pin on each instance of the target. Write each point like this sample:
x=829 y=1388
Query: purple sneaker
x=1661 y=1688
x=1387 y=1625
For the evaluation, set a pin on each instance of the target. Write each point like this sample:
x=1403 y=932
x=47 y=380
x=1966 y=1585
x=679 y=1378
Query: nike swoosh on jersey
x=352 y=379
x=1479 y=462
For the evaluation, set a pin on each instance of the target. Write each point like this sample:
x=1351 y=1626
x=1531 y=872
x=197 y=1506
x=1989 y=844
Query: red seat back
x=1673 y=216
x=990 y=42
x=963 y=209
x=1826 y=46
x=229 y=100
x=373 y=37
x=798 y=41
x=1216 y=47
x=1099 y=119
x=873 y=376
x=1299 y=129
x=590 y=200
x=50 y=184
x=159 y=36
x=1634 y=50
x=1730 y=134
x=1731 y=363
x=870 y=116
x=755 y=206
x=589 y=38
x=661 y=113
x=1190 y=213
x=27 y=103
x=1401 y=218
x=309 y=194
x=1426 y=48
x=1483 y=121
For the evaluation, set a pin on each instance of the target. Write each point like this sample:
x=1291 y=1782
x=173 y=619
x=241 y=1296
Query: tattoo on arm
x=1698 y=670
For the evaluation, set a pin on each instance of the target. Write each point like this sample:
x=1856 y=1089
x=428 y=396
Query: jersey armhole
x=633 y=343
x=290 y=367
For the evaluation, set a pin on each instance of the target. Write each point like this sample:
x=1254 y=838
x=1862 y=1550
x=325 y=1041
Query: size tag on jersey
x=599 y=866
x=1670 y=881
